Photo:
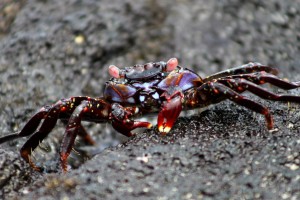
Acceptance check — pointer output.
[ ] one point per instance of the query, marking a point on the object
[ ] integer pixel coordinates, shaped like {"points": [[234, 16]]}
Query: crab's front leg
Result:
{"points": [[98, 110]]}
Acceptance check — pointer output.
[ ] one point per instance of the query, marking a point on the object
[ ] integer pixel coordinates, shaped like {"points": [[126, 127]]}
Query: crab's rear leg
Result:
{"points": [[30, 126], [46, 127], [49, 114], [262, 78], [244, 69], [214, 92], [241, 85]]}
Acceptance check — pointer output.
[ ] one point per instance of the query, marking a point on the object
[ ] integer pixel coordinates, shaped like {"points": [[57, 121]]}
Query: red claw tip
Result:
{"points": [[169, 114], [114, 71], [164, 129], [172, 64]]}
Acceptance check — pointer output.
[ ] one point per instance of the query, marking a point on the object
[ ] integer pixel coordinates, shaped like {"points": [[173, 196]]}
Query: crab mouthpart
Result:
{"points": [[169, 114]]}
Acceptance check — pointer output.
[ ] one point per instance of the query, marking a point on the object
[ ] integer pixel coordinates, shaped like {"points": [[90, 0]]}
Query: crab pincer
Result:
{"points": [[171, 109]]}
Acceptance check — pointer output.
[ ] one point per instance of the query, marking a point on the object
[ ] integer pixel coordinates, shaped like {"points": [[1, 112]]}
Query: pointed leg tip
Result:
{"points": [[160, 129], [65, 168], [149, 125]]}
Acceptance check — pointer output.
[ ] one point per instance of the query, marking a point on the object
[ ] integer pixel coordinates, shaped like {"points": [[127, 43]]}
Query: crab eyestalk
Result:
{"points": [[171, 64], [143, 71], [115, 72]]}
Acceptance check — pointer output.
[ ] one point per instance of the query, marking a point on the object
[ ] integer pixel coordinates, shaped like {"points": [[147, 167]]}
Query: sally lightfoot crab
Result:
{"points": [[161, 87]]}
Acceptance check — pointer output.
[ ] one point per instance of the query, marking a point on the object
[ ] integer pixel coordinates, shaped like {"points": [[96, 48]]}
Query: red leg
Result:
{"points": [[244, 69], [219, 92], [170, 110], [30, 126], [120, 119], [49, 114], [71, 132], [97, 110], [262, 78], [46, 127], [241, 85], [83, 134]]}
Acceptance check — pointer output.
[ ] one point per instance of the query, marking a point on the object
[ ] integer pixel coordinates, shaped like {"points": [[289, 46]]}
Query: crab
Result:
{"points": [[159, 87], [121, 101]]}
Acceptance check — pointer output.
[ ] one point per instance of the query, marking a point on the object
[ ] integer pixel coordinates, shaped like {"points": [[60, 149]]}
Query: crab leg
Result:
{"points": [[73, 128], [240, 85], [97, 110], [50, 115], [71, 112], [30, 127], [219, 92], [82, 133], [46, 127], [262, 78], [244, 69]]}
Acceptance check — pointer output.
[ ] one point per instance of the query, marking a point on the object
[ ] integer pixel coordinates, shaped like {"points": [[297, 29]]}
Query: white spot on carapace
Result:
{"points": [[142, 98], [155, 95], [130, 100]]}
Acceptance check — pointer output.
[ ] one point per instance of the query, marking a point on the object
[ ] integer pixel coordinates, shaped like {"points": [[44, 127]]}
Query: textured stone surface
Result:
{"points": [[57, 49]]}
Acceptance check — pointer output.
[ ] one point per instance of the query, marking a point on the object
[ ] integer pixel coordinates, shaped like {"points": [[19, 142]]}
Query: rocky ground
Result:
{"points": [[55, 49]]}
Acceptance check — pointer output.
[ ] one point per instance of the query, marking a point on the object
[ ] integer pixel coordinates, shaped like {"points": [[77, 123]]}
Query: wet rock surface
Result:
{"points": [[56, 49]]}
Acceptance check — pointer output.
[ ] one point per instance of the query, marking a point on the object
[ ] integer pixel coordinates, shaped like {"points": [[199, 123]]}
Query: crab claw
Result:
{"points": [[125, 128], [121, 119], [170, 110]]}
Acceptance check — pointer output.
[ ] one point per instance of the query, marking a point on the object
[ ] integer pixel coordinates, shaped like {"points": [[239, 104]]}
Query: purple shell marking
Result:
{"points": [[184, 79], [120, 93]]}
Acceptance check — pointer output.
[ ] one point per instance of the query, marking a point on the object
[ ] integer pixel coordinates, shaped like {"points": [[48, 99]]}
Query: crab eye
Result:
{"points": [[114, 71], [172, 64], [148, 66]]}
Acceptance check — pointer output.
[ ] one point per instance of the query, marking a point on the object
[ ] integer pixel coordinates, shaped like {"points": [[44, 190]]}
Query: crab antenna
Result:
{"points": [[114, 71], [171, 64]]}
